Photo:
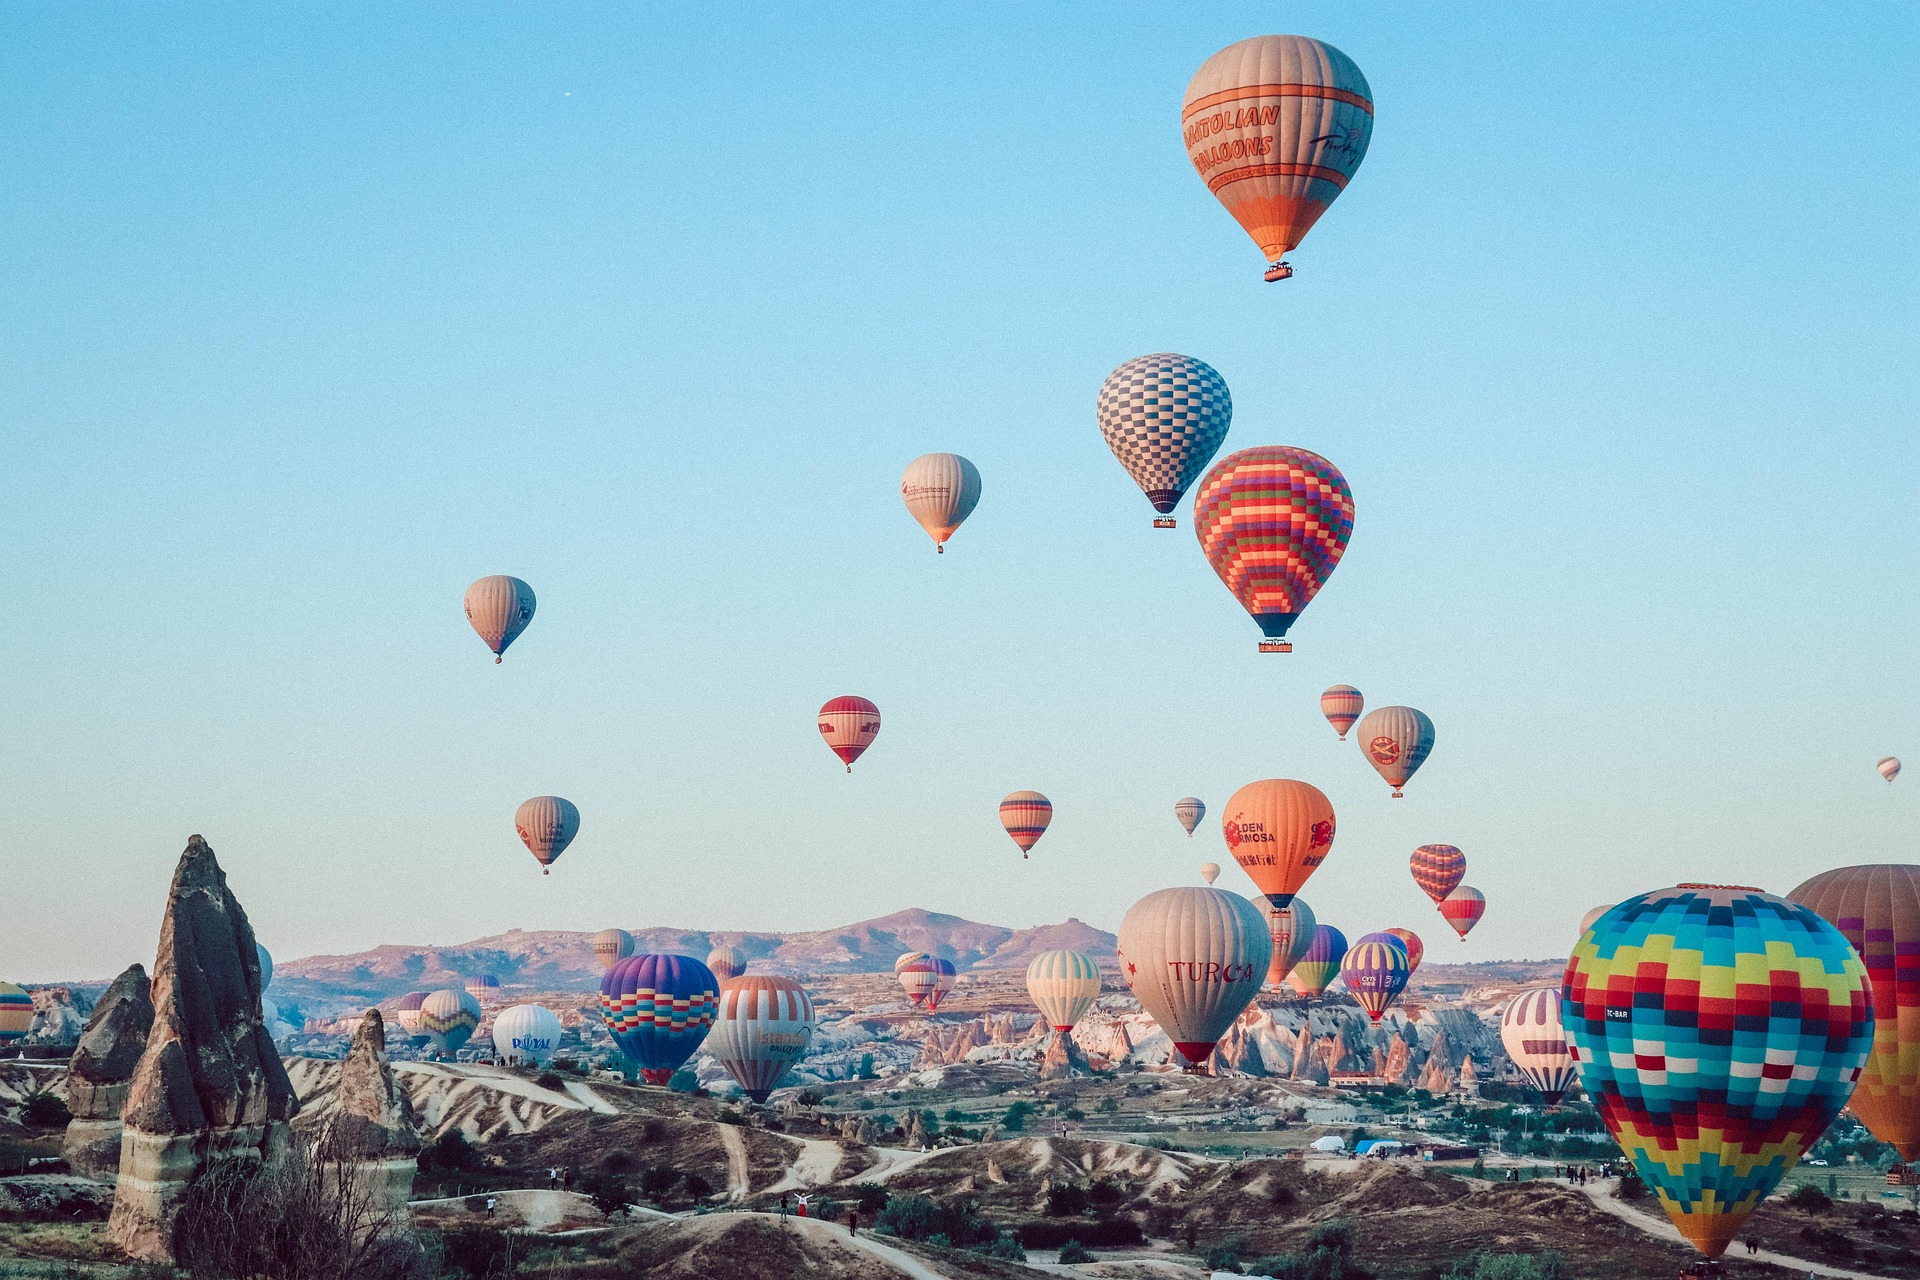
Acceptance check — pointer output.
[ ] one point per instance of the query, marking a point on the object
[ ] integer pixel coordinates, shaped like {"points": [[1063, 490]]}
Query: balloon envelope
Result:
{"points": [[266, 966], [849, 726], [16, 1013], [1279, 831], [1209, 871], [1396, 741], [1438, 869], [1531, 1030], [1273, 522], [1064, 985], [908, 958], [1586, 921], [927, 980], [1164, 416], [1375, 972], [940, 490], [727, 962], [1291, 929], [1025, 815], [1189, 810], [1463, 908], [764, 1026], [547, 825], [448, 1019], [526, 1035], [407, 1014], [658, 1008], [1416, 949], [1888, 768], [1718, 1030], [1341, 705], [610, 946], [483, 987], [499, 609], [1195, 958], [1321, 963]]}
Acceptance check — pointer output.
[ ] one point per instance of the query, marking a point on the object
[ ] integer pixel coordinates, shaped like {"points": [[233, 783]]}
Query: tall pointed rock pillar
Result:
{"points": [[373, 1132], [102, 1071], [210, 1084]]}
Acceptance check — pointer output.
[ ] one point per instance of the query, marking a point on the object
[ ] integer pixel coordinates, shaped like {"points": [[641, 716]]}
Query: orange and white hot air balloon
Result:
{"points": [[1292, 929], [849, 725], [1195, 958], [547, 825], [1025, 815], [1276, 127], [940, 490], [764, 1025], [1342, 705], [1279, 831]]}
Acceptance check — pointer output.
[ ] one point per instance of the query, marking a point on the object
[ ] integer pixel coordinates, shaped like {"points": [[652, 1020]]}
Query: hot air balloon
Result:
{"points": [[1889, 767], [1189, 810], [610, 946], [1273, 522], [1276, 126], [1463, 909], [526, 1035], [16, 1013], [940, 490], [764, 1026], [407, 1014], [927, 980], [1395, 741], [1025, 815], [483, 987], [1536, 1041], [659, 1008], [1375, 972], [1291, 929], [1209, 871], [1194, 958], [1321, 963], [727, 962], [499, 608], [547, 825], [1877, 909], [1718, 1030], [1341, 705], [1064, 985], [1164, 417], [1438, 869], [1586, 921], [448, 1019], [1279, 831], [849, 725], [266, 966], [1416, 949], [908, 958]]}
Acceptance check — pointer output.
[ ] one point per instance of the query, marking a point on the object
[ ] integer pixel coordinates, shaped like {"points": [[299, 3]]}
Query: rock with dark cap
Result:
{"points": [[101, 1071], [210, 1084]]}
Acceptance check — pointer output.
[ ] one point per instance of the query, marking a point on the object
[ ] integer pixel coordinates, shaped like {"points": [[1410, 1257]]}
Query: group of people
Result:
{"points": [[797, 1201]]}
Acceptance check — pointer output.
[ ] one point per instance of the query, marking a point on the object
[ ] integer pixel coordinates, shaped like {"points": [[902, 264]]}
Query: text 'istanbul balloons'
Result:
{"points": [[1291, 929], [1396, 741], [1273, 522], [1463, 908], [547, 825], [499, 609], [1064, 985], [1877, 909], [1416, 949], [658, 1008], [1025, 815], [926, 980], [1164, 416], [407, 1014], [1321, 963], [849, 726], [1718, 1030], [1375, 972], [940, 490], [1889, 767], [1341, 705], [1189, 810], [610, 946], [1279, 831], [1531, 1030], [1438, 869], [1195, 958], [1209, 871], [526, 1035], [448, 1019], [764, 1026], [727, 962], [1276, 126], [16, 1013]]}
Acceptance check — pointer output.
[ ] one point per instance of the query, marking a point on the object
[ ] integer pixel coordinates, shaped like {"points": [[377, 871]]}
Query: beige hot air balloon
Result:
{"points": [[1209, 871], [1195, 958], [940, 490], [499, 608], [1586, 921], [1064, 985], [610, 947], [547, 825]]}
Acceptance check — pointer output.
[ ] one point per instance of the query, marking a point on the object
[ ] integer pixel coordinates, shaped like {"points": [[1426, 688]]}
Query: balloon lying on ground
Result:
{"points": [[1341, 705], [1194, 957], [1188, 810], [1279, 831], [727, 962], [1535, 1039], [407, 1014], [1375, 972], [547, 825], [610, 946], [927, 980], [764, 1026], [940, 490], [658, 1009], [1416, 949], [448, 1019], [526, 1035], [1321, 963], [1025, 815], [499, 609], [1291, 929], [1888, 768], [1463, 908], [1273, 522], [1719, 1030], [1438, 869], [849, 725], [1064, 985], [1164, 416], [1396, 741]]}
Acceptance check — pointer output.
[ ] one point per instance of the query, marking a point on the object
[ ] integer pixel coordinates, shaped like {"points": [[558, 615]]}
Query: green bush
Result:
{"points": [[916, 1217], [1016, 1117], [1003, 1246], [450, 1153], [1065, 1200], [1512, 1266], [1631, 1188], [1073, 1251], [1107, 1232], [45, 1111], [549, 1080], [1225, 1255], [1328, 1256], [1810, 1198], [870, 1196]]}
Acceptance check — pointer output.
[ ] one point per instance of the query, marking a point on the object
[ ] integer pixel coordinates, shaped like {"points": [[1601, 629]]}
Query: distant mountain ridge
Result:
{"points": [[557, 960]]}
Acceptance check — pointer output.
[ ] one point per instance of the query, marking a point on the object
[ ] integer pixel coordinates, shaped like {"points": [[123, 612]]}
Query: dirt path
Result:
{"points": [[886, 1253], [813, 1167], [1657, 1225], [738, 1182], [893, 1160]]}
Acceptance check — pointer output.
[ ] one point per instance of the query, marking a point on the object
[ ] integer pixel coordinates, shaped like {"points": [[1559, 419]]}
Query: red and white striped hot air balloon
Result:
{"points": [[1535, 1039], [1025, 815], [1342, 705], [927, 979], [1463, 909], [849, 725], [764, 1026]]}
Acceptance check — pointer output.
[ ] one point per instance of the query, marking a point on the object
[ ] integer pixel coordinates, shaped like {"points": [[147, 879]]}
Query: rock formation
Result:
{"points": [[1063, 1059], [916, 1131], [59, 1016], [1438, 1077], [856, 1131], [373, 1132], [1399, 1064], [210, 1084], [102, 1068], [1469, 1079]]}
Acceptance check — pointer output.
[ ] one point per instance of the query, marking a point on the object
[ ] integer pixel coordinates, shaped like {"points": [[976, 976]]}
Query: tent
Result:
{"points": [[1332, 1142]]}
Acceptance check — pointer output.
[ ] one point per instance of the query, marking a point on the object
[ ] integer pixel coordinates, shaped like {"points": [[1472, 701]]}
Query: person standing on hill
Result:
{"points": [[853, 1221], [783, 1207], [800, 1205]]}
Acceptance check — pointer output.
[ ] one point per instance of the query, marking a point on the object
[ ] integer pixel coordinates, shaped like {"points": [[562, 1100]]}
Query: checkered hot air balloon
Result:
{"points": [[1279, 831], [499, 609], [1396, 741], [1719, 1030], [1291, 929], [1341, 705], [1463, 908], [1064, 985], [1438, 869], [658, 1009], [1375, 972], [1188, 811], [849, 725], [1164, 416], [1321, 963], [1025, 815], [1273, 522], [547, 825], [764, 1026], [1536, 1040]]}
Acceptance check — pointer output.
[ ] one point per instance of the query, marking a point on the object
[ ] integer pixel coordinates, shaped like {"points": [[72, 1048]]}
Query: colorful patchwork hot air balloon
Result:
{"points": [[407, 1014], [1164, 417], [764, 1026], [448, 1019], [499, 609], [1209, 871], [940, 490], [526, 1035], [1279, 831], [1396, 741], [1189, 810], [727, 962], [1341, 705], [926, 980], [1888, 768], [1463, 908], [1877, 909], [849, 726], [1438, 869], [658, 1008], [610, 946], [1416, 949], [1375, 972], [1025, 815], [1273, 522], [547, 825], [1276, 126], [16, 1013], [1531, 1030], [1291, 929], [1718, 1030], [1195, 958], [1321, 963], [1064, 985]]}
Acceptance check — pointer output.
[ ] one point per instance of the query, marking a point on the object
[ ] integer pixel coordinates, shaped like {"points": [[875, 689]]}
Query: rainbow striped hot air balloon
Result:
{"points": [[849, 725], [1375, 971], [1416, 949], [1321, 963], [499, 609], [659, 1008], [1188, 810], [764, 1026], [1463, 908], [1273, 522], [547, 825], [1719, 1030], [448, 1019], [1064, 985], [927, 980], [727, 962], [1164, 416], [1536, 1040], [1292, 929], [1396, 741], [1341, 705], [16, 1013], [610, 946], [1025, 815], [1438, 869]]}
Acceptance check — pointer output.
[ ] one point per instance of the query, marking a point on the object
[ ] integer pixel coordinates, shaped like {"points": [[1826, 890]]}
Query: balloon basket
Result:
{"points": [[1166, 522], [1702, 1270], [1276, 646], [1278, 271]]}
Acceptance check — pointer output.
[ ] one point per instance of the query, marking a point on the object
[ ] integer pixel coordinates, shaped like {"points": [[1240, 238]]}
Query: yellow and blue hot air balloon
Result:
{"points": [[1064, 985], [1321, 964], [16, 1013], [1375, 971]]}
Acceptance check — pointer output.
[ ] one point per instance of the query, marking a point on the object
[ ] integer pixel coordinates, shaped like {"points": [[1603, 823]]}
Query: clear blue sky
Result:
{"points": [[315, 314]]}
